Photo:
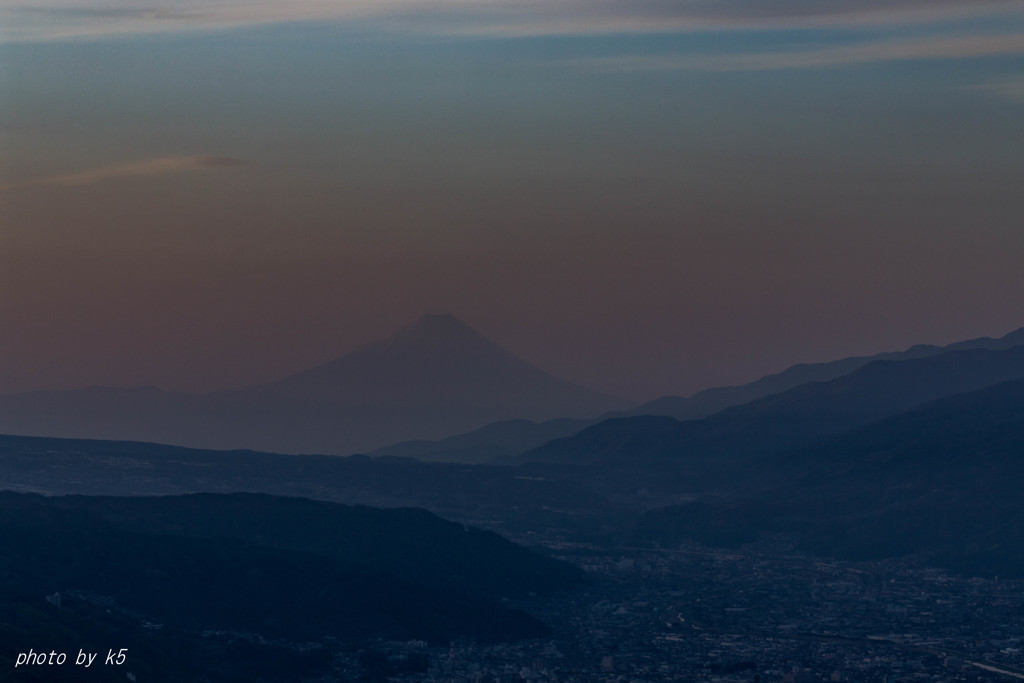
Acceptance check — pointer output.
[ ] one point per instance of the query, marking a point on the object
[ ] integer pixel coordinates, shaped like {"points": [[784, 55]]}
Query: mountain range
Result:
{"points": [[506, 440], [791, 418], [915, 454], [710, 401]]}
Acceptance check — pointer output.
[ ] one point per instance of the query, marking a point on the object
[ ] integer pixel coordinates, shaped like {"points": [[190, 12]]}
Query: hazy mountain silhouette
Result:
{"points": [[710, 401], [799, 415], [504, 440], [439, 361], [431, 379]]}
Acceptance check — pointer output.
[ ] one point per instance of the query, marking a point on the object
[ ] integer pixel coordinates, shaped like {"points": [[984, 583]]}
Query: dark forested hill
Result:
{"points": [[280, 568], [409, 543], [943, 480]]}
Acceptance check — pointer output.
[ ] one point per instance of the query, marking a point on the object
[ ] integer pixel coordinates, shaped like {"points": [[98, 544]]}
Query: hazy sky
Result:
{"points": [[646, 197]]}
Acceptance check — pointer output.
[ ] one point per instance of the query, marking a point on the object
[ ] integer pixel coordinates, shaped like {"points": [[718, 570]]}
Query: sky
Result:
{"points": [[648, 198]]}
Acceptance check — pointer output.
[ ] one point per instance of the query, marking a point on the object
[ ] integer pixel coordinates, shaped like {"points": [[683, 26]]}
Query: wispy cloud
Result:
{"points": [[956, 47], [572, 17], [146, 167], [1011, 88], [35, 20]]}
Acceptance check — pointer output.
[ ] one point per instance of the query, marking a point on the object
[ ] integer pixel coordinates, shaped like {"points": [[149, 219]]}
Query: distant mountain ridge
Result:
{"points": [[710, 401], [503, 441], [791, 418], [430, 379]]}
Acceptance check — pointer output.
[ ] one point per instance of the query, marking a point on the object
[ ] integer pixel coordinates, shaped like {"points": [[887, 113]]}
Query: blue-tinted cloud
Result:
{"points": [[929, 48], [42, 20], [1010, 88]]}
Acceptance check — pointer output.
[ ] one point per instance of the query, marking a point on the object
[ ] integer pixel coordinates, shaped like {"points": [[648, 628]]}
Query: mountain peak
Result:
{"points": [[441, 330], [441, 363], [1008, 341], [439, 320], [437, 323]]}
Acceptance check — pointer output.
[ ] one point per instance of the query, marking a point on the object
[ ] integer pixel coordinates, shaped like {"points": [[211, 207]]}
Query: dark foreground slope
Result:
{"points": [[265, 569], [409, 543], [163, 654], [943, 481]]}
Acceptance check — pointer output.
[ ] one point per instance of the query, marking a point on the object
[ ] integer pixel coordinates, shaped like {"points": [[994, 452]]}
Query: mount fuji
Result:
{"points": [[431, 379]]}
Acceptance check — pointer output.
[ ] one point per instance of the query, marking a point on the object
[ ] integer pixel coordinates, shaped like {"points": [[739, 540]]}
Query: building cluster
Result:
{"points": [[763, 613]]}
